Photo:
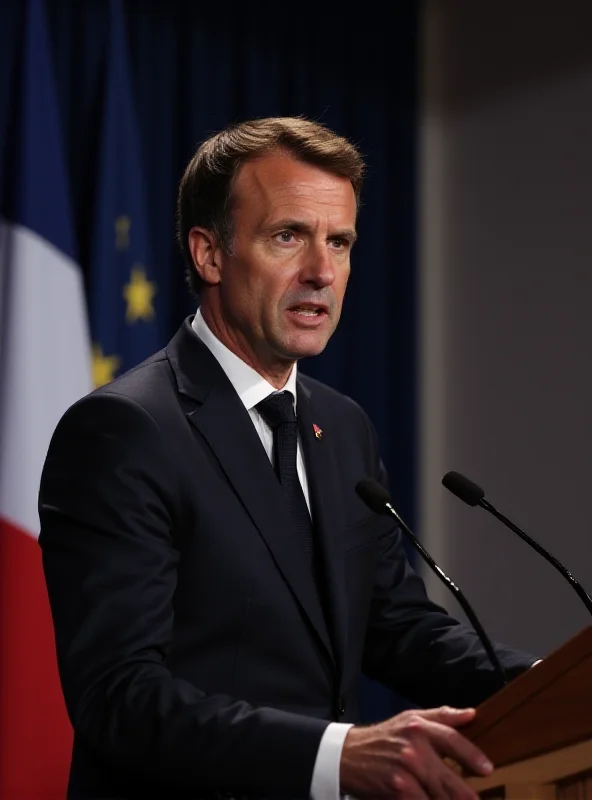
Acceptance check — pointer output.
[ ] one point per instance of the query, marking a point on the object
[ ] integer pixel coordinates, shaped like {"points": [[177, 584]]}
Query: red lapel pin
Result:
{"points": [[317, 431]]}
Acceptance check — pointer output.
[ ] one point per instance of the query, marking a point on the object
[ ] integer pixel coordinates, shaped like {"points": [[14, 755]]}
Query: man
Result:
{"points": [[217, 586]]}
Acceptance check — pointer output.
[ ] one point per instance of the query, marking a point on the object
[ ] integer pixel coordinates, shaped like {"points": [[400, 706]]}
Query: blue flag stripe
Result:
{"points": [[40, 156]]}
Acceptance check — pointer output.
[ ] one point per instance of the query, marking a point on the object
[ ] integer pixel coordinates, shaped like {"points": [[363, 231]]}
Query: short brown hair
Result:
{"points": [[205, 191]]}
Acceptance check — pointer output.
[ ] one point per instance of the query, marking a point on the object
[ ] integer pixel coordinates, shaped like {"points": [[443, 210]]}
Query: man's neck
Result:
{"points": [[277, 375]]}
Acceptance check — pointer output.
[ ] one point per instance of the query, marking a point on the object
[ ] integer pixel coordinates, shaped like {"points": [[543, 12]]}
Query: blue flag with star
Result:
{"points": [[124, 290]]}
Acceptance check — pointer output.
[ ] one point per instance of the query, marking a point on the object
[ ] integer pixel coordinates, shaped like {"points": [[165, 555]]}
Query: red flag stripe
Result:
{"points": [[37, 735]]}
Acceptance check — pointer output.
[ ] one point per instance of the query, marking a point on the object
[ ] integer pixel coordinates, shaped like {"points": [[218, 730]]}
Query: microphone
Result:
{"points": [[378, 499], [473, 495]]}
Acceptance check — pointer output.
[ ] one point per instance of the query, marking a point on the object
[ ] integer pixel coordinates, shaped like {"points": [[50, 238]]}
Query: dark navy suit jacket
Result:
{"points": [[196, 657]]}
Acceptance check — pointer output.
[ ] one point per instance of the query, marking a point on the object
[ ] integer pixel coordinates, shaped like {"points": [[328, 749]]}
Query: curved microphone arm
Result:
{"points": [[584, 596], [457, 593]]}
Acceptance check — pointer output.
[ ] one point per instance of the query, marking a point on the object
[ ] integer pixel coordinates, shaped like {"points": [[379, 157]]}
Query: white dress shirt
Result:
{"points": [[252, 389]]}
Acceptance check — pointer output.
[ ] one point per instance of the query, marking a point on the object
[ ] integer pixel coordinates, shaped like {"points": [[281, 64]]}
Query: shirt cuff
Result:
{"points": [[325, 776]]}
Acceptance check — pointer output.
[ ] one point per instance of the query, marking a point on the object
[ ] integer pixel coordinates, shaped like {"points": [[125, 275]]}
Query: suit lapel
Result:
{"points": [[225, 424], [321, 470]]}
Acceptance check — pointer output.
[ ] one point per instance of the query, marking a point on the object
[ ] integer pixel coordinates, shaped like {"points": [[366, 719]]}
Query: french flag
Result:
{"points": [[44, 368]]}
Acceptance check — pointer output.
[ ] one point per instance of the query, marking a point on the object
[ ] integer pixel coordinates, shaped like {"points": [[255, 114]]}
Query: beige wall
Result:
{"points": [[506, 305]]}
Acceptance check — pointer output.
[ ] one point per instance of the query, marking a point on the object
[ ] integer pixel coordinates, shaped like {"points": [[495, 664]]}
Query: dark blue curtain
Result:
{"points": [[195, 68]]}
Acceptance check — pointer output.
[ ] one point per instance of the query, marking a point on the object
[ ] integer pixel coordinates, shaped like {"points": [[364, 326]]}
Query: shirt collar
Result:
{"points": [[249, 385]]}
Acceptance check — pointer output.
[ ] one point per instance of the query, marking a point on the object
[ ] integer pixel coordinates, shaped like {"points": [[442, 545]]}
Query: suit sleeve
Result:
{"points": [[413, 645], [108, 506]]}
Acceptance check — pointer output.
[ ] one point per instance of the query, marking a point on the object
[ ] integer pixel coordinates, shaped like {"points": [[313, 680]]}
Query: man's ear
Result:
{"points": [[205, 252]]}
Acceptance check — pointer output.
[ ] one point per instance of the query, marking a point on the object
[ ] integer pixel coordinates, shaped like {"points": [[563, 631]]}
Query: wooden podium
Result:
{"points": [[538, 730]]}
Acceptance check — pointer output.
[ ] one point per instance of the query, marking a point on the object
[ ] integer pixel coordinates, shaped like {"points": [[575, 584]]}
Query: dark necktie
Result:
{"points": [[278, 411]]}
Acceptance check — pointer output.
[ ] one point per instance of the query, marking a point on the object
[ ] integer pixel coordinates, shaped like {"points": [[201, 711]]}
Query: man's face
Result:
{"points": [[281, 289]]}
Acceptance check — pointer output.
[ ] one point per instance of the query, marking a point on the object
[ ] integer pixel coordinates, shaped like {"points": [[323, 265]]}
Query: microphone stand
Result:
{"points": [[584, 596], [456, 592]]}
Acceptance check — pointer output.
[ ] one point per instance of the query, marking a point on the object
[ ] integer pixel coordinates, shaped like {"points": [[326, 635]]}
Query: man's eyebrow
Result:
{"points": [[297, 225], [346, 233]]}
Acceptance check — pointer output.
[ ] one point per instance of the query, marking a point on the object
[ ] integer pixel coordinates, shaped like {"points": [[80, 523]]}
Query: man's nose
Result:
{"points": [[318, 267]]}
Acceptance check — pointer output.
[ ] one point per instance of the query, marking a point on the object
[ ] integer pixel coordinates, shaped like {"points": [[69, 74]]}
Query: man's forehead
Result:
{"points": [[281, 177]]}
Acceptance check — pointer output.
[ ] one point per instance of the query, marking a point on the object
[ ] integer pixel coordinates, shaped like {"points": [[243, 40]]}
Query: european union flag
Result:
{"points": [[124, 293]]}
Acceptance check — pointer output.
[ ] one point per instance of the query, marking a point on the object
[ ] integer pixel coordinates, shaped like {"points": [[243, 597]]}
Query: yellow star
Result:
{"points": [[139, 295], [103, 367], [122, 231]]}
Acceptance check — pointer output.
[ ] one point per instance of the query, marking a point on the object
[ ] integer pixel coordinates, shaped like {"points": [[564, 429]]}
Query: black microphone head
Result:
{"points": [[373, 494], [463, 488]]}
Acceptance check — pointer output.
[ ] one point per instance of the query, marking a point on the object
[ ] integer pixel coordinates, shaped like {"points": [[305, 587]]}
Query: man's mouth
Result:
{"points": [[309, 311]]}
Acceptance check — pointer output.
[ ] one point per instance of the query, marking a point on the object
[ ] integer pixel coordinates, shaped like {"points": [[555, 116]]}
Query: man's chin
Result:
{"points": [[309, 349], [306, 344]]}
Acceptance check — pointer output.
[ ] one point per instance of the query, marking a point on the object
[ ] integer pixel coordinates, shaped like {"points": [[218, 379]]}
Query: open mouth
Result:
{"points": [[309, 311]]}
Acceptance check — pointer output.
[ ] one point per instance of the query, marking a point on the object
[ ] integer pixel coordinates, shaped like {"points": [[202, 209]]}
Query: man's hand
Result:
{"points": [[402, 757]]}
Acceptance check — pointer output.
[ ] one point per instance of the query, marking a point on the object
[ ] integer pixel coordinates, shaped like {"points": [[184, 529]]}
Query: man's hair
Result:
{"points": [[205, 191]]}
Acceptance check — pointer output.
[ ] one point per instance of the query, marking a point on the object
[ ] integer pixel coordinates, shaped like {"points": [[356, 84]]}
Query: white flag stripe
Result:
{"points": [[3, 275], [46, 362]]}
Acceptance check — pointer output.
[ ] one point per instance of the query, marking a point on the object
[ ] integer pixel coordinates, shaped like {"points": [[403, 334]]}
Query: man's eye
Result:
{"points": [[285, 236], [340, 243]]}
